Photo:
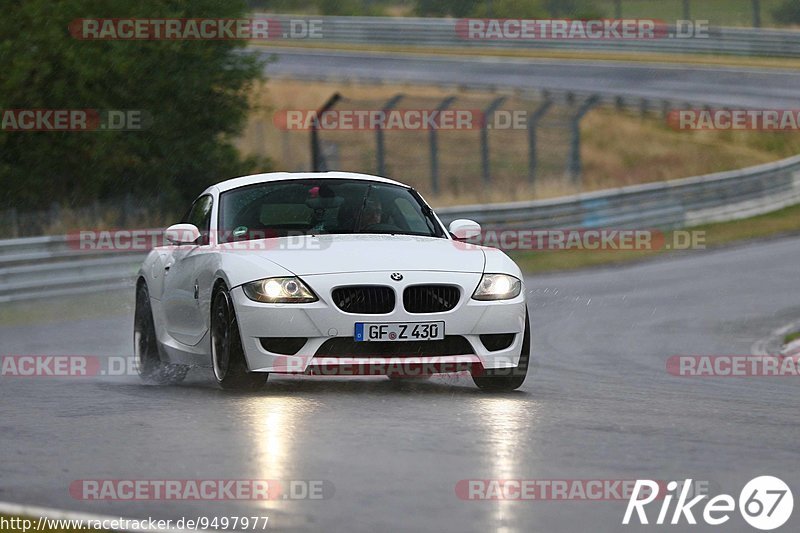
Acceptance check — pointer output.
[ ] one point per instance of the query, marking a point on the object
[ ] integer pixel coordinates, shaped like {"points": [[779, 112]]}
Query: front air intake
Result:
{"points": [[430, 298], [364, 299]]}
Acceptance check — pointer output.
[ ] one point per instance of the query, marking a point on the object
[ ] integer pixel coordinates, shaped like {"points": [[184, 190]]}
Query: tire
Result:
{"points": [[508, 379], [145, 345], [227, 355]]}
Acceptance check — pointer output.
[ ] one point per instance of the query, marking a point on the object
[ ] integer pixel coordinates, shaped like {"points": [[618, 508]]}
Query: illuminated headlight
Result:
{"points": [[497, 287], [279, 291]]}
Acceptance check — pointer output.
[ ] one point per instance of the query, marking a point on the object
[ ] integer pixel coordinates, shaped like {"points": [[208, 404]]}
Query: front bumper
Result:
{"points": [[322, 320]]}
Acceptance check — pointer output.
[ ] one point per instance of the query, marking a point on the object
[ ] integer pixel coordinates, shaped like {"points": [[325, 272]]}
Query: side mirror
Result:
{"points": [[182, 234], [463, 229]]}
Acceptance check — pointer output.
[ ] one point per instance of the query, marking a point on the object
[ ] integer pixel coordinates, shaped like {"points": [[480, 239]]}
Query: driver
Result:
{"points": [[373, 212]]}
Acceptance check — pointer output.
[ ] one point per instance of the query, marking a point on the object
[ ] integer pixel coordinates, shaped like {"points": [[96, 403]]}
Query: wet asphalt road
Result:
{"points": [[695, 84], [599, 405]]}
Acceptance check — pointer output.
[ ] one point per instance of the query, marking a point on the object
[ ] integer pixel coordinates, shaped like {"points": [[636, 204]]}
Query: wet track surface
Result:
{"points": [[740, 86], [599, 404]]}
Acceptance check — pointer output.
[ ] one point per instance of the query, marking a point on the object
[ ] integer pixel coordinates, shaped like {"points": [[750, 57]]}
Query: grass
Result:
{"points": [[791, 337], [718, 12], [618, 147], [84, 306], [783, 222]]}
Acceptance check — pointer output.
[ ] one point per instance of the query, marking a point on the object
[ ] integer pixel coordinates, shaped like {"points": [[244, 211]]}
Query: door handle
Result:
{"points": [[196, 290]]}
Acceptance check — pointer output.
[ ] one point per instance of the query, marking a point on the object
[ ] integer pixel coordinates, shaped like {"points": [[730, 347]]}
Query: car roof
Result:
{"points": [[235, 183]]}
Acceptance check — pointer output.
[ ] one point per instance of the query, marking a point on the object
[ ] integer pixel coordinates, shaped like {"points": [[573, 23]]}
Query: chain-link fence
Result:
{"points": [[506, 145]]}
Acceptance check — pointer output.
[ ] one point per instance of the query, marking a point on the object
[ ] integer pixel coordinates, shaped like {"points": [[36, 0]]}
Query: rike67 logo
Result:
{"points": [[765, 503]]}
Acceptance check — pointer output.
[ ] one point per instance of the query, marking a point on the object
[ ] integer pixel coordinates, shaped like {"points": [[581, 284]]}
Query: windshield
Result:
{"points": [[323, 206]]}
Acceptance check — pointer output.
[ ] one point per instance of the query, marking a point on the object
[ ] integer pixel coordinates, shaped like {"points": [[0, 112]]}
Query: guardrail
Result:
{"points": [[446, 32], [684, 202], [44, 267], [40, 267]]}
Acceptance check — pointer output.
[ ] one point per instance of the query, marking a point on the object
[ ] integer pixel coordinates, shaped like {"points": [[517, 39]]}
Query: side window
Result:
{"points": [[200, 216]]}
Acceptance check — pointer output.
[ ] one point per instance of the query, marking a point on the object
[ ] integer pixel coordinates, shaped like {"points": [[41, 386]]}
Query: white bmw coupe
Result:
{"points": [[327, 273]]}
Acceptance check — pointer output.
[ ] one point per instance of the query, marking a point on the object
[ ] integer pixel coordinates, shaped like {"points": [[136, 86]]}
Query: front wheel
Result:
{"points": [[227, 353], [508, 379], [145, 345]]}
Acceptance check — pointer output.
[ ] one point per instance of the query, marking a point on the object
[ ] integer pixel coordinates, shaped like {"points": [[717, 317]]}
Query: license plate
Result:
{"points": [[399, 331]]}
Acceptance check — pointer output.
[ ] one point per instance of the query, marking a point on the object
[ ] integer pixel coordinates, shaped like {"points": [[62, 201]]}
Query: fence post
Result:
{"points": [[618, 9], [55, 214], [686, 10], [317, 159], [380, 151], [127, 210], [14, 222], [666, 107], [644, 107], [756, 13], [533, 125], [432, 135], [487, 114], [574, 163]]}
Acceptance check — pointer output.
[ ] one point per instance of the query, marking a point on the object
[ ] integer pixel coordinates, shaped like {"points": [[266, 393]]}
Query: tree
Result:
{"points": [[196, 93]]}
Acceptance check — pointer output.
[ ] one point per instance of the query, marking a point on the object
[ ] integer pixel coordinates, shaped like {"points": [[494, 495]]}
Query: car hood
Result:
{"points": [[326, 254]]}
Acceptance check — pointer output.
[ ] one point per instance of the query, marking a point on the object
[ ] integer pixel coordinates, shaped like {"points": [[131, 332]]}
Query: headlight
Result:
{"points": [[279, 291], [497, 287]]}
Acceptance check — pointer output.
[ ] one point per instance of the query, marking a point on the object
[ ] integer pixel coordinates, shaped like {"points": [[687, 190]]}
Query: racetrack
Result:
{"points": [[721, 86], [598, 405]]}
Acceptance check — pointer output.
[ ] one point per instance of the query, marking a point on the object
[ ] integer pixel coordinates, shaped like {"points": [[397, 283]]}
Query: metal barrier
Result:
{"points": [[40, 267], [448, 33], [44, 267], [685, 202]]}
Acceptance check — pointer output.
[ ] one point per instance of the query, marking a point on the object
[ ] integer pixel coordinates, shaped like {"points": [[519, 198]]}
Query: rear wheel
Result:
{"points": [[145, 345], [508, 379], [227, 353]]}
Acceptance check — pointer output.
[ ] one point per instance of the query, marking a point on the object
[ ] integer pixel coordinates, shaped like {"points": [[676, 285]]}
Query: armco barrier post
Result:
{"points": [[574, 164], [380, 149], [432, 135], [487, 115]]}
